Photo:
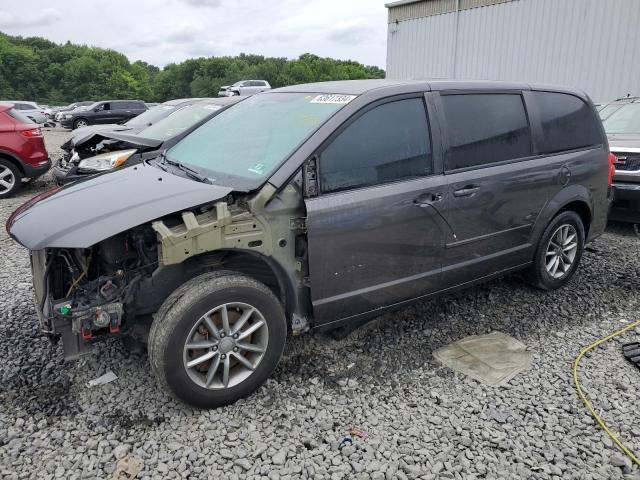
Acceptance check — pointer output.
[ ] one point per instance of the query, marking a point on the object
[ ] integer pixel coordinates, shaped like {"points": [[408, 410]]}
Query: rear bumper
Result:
{"points": [[35, 171], [626, 203]]}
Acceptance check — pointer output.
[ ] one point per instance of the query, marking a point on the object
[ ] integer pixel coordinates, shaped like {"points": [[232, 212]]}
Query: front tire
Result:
{"points": [[217, 339], [559, 252], [10, 178], [79, 123]]}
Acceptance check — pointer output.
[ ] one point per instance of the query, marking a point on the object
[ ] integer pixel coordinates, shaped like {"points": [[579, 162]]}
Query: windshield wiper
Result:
{"points": [[189, 171]]}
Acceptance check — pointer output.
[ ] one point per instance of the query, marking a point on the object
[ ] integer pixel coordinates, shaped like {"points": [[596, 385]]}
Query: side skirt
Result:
{"points": [[363, 317]]}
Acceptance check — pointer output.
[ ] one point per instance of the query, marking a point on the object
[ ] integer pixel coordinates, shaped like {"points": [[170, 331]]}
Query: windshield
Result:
{"points": [[179, 121], [244, 144], [624, 120], [151, 116], [86, 108], [606, 111]]}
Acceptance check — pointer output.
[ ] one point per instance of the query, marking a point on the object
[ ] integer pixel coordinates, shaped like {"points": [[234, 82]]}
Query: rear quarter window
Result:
{"points": [[19, 116], [568, 122]]}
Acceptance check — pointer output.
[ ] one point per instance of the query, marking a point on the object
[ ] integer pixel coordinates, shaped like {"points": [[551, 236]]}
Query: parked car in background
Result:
{"points": [[608, 109], [623, 132], [32, 110], [151, 104], [107, 150], [108, 111], [82, 136], [316, 206], [59, 112], [244, 87], [22, 151]]}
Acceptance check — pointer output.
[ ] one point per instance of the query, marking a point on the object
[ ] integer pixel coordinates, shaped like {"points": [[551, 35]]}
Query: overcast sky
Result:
{"points": [[165, 31]]}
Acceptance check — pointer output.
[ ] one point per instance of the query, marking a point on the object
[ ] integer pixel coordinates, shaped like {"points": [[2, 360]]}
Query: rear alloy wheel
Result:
{"points": [[10, 178], [559, 252], [79, 123], [216, 339]]}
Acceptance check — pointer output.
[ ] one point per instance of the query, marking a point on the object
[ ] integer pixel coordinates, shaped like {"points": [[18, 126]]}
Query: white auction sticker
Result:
{"points": [[332, 98]]}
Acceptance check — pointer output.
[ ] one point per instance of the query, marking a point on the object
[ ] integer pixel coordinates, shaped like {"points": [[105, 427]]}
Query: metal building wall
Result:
{"points": [[590, 44]]}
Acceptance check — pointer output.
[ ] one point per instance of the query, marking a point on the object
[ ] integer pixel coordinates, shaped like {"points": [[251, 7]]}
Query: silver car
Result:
{"points": [[31, 109], [244, 87]]}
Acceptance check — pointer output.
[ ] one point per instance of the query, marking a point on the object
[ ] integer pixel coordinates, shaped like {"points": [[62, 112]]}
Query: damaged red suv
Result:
{"points": [[22, 150]]}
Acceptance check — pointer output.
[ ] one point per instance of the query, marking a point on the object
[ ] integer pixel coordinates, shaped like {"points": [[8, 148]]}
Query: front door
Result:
{"points": [[496, 188], [375, 237], [103, 114]]}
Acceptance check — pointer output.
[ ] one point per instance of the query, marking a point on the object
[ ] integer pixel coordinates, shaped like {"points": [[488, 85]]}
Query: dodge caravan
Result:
{"points": [[315, 207]]}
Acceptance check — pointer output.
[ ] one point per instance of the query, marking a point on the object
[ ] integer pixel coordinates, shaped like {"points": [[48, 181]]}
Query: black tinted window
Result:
{"points": [[485, 128], [388, 143], [567, 122], [122, 105]]}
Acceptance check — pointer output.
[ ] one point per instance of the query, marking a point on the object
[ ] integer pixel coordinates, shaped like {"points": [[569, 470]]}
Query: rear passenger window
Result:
{"points": [[485, 128], [567, 122], [388, 143]]}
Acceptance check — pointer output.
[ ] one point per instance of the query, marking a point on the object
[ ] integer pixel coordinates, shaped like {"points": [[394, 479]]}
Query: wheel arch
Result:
{"points": [[252, 264], [584, 212], [574, 198], [5, 155]]}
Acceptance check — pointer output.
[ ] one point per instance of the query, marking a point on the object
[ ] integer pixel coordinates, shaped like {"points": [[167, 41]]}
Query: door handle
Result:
{"points": [[426, 199], [466, 191]]}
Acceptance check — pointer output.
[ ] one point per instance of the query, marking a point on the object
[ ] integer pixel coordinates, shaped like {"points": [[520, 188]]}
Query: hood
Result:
{"points": [[133, 140], [84, 213], [623, 140], [86, 134]]}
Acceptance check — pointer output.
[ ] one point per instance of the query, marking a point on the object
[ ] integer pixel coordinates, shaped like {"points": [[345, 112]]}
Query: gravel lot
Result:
{"points": [[423, 421]]}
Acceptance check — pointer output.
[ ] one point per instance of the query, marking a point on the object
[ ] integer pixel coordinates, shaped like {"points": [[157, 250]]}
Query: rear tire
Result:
{"points": [[558, 253], [207, 361], [10, 178]]}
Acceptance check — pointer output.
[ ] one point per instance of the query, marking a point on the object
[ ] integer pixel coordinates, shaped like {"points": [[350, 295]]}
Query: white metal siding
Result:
{"points": [[590, 44]]}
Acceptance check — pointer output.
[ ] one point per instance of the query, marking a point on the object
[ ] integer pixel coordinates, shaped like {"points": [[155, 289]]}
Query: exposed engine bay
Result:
{"points": [[91, 147], [89, 290], [112, 287]]}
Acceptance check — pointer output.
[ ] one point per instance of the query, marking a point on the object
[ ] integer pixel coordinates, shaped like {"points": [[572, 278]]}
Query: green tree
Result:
{"points": [[37, 69]]}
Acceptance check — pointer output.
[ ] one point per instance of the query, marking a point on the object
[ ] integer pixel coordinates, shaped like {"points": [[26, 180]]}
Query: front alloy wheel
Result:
{"points": [[226, 345], [216, 339]]}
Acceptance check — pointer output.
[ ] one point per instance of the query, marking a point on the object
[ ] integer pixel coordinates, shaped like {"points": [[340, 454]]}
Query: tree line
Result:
{"points": [[37, 69]]}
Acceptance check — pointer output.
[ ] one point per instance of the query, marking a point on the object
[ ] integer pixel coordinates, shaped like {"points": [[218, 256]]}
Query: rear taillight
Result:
{"points": [[33, 132], [612, 167]]}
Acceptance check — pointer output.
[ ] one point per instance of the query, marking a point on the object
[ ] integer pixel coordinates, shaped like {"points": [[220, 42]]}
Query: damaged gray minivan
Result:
{"points": [[315, 206]]}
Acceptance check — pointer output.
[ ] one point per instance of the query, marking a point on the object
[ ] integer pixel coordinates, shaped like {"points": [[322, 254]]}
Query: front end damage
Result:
{"points": [[82, 294], [112, 288]]}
